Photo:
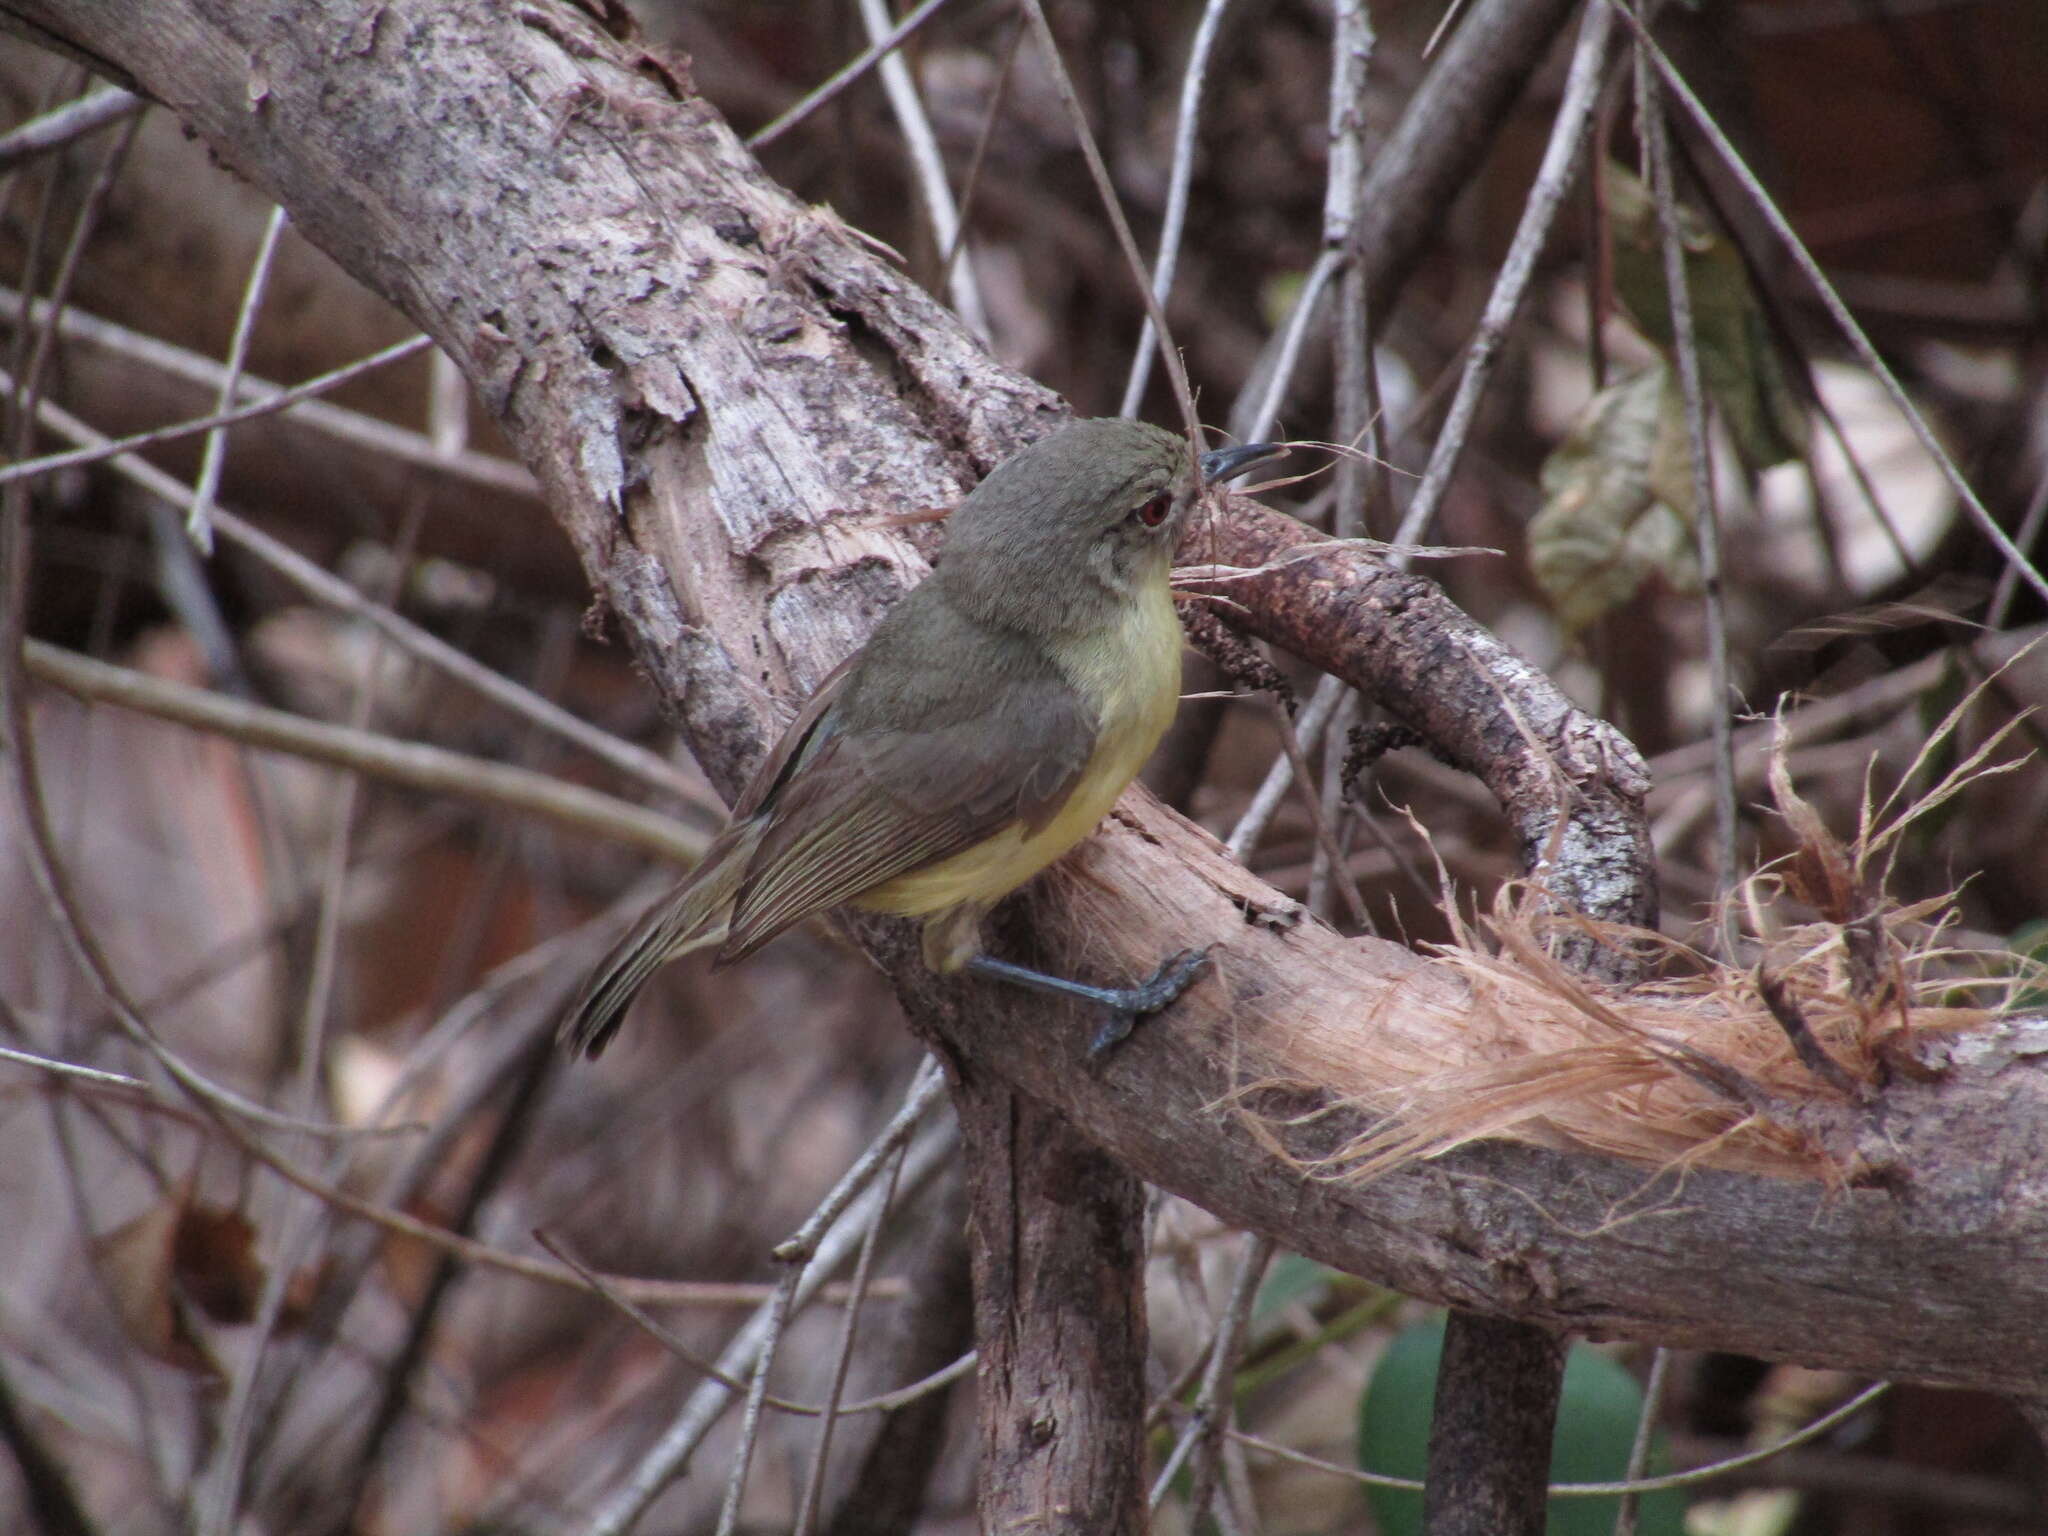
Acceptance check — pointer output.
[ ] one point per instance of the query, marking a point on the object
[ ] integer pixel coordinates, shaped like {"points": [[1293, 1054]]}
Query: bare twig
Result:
{"points": [[332, 592], [1213, 1404], [1639, 1448], [1831, 300], [1706, 520], [928, 168], [876, 51], [198, 519], [415, 764], [107, 448], [825, 1241], [1112, 208], [383, 439], [1553, 180], [73, 120], [1308, 730], [1688, 1479], [814, 1483], [1171, 228]]}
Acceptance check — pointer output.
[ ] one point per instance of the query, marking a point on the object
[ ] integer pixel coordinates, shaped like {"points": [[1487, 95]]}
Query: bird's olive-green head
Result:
{"points": [[1070, 523]]}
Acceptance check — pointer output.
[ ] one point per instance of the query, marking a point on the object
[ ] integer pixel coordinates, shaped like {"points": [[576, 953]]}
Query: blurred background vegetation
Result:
{"points": [[177, 1326]]}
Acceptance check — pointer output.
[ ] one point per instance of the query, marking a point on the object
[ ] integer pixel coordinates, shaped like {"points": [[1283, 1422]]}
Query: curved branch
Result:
{"points": [[716, 384]]}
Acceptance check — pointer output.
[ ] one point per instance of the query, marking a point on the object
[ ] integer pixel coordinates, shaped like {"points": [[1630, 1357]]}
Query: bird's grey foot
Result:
{"points": [[1124, 1005]]}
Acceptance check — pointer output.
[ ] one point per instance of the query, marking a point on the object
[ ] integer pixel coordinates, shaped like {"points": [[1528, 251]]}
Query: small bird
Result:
{"points": [[986, 727]]}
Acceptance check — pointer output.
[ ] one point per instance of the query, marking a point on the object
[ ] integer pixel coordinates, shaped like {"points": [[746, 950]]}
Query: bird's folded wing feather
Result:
{"points": [[868, 805]]}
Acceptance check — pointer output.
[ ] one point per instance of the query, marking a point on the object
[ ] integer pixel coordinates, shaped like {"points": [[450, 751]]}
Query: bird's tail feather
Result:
{"points": [[693, 916]]}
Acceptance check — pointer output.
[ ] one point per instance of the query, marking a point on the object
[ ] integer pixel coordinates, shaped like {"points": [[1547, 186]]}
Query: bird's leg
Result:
{"points": [[1125, 1005]]}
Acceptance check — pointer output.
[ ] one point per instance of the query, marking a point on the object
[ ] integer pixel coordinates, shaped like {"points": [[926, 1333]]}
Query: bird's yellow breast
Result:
{"points": [[1132, 675]]}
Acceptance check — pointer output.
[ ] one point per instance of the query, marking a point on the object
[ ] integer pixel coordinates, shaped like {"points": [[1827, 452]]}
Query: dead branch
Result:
{"points": [[708, 376]]}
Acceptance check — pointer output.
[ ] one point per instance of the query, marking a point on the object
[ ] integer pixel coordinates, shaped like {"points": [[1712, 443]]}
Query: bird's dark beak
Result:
{"points": [[1221, 464]]}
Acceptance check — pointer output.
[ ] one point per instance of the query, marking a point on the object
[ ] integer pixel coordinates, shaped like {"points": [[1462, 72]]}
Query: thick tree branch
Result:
{"points": [[716, 385]]}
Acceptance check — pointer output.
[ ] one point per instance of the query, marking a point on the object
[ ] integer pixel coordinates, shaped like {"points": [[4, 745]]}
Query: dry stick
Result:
{"points": [[28, 394], [1213, 1403], [667, 1339], [332, 592], [814, 1484], [52, 884], [1179, 177], [1706, 520], [1553, 180], [58, 1068], [1639, 1451], [1831, 300], [1176, 369], [1497, 1389], [1315, 715], [73, 120], [928, 169], [1691, 1478], [165, 1484], [1351, 48], [878, 50], [812, 1253], [198, 519], [1308, 730], [104, 447], [1258, 424], [983, 137], [384, 438], [435, 770], [220, 1486], [1322, 827], [2030, 534]]}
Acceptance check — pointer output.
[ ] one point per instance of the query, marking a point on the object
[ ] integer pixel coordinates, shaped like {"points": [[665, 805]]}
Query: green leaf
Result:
{"points": [[1617, 502], [1292, 1278], [1596, 1425], [1739, 366]]}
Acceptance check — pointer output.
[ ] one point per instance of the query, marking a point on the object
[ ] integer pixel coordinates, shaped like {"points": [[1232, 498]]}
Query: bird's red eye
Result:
{"points": [[1154, 512]]}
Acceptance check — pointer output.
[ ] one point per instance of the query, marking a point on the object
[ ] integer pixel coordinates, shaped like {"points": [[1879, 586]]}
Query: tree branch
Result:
{"points": [[710, 378]]}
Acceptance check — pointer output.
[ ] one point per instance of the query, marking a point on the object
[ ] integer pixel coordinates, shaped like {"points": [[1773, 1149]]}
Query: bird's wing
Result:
{"points": [[859, 807]]}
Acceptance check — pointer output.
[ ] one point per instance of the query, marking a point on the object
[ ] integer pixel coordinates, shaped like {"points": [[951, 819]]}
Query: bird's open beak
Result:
{"points": [[1221, 464]]}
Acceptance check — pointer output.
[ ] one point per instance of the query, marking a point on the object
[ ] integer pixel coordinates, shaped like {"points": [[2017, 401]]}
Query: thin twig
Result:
{"points": [[1308, 730], [928, 168], [1213, 1403], [1112, 207], [1259, 424], [2030, 534], [970, 184], [1690, 1478], [332, 592], [814, 1484], [220, 1492], [107, 448], [660, 1465], [1706, 520], [1179, 178], [846, 75], [1639, 1450], [886, 1402], [73, 120], [1553, 180], [417, 765], [1831, 300], [384, 439], [198, 518]]}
